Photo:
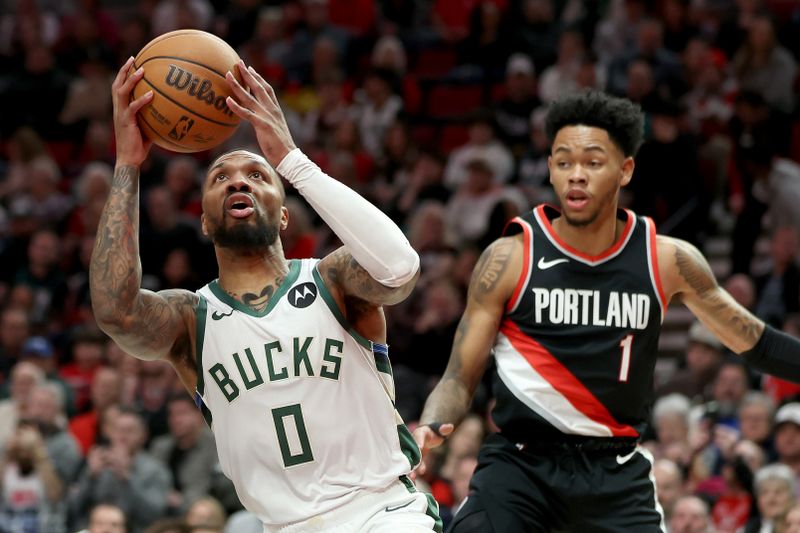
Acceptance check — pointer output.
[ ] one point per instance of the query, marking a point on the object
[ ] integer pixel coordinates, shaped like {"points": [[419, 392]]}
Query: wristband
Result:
{"points": [[436, 427]]}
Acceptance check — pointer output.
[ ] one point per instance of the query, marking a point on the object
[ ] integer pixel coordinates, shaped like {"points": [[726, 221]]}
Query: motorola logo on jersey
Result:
{"points": [[581, 307], [303, 295]]}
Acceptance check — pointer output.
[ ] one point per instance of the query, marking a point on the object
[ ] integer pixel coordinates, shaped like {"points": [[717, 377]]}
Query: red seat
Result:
{"points": [[453, 101], [452, 136], [435, 62], [62, 152], [423, 134]]}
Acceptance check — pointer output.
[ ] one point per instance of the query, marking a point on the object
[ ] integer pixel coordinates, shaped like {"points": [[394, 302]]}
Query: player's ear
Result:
{"points": [[203, 224], [284, 218], [627, 171]]}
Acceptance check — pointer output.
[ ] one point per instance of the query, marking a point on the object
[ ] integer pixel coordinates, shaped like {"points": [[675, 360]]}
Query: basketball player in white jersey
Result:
{"points": [[287, 359]]}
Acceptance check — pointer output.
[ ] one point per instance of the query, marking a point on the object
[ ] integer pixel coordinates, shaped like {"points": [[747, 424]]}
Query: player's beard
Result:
{"points": [[246, 236]]}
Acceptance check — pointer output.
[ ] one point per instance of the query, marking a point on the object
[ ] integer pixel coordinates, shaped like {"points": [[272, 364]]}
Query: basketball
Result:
{"points": [[186, 69]]}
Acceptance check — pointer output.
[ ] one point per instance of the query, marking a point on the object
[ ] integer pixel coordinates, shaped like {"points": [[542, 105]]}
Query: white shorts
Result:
{"points": [[390, 510]]}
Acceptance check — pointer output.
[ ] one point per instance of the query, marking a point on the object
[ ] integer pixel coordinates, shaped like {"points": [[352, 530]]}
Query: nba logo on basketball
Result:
{"points": [[181, 128]]}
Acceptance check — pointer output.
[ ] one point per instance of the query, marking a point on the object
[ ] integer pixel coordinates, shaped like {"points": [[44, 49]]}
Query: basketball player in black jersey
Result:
{"points": [[570, 302]]}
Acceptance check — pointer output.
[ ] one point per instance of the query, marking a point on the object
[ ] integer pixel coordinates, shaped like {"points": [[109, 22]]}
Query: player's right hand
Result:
{"points": [[426, 438], [132, 146]]}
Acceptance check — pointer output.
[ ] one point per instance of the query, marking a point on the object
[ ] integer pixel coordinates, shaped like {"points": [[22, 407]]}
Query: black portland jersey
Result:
{"points": [[577, 347]]}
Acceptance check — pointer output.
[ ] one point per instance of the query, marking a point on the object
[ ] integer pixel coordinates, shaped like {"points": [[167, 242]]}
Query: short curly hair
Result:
{"points": [[621, 118]]}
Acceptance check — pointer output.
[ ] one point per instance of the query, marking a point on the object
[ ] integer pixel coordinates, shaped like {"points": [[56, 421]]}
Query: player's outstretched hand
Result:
{"points": [[132, 146], [426, 438], [260, 108]]}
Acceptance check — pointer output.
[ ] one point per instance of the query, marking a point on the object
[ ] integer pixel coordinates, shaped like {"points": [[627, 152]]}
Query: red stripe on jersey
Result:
{"points": [[654, 265], [563, 380], [527, 258], [623, 238]]}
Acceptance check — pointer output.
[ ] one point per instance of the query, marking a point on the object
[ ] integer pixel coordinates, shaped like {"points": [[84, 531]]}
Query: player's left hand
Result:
{"points": [[426, 438], [260, 108]]}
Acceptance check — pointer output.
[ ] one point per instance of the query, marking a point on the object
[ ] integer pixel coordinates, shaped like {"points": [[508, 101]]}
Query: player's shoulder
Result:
{"points": [[679, 260], [181, 300], [499, 268]]}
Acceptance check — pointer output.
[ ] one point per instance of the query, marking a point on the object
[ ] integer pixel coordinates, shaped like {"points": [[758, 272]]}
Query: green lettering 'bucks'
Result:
{"points": [[279, 387]]}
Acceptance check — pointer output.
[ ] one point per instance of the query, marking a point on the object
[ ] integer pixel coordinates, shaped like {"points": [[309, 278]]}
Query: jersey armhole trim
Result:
{"points": [[202, 314], [337, 313], [527, 266], [652, 263]]}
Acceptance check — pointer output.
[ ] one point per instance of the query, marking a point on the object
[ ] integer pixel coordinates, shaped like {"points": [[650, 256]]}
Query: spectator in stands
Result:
{"points": [[761, 64], [479, 209], [314, 129], [535, 29], [755, 420], [182, 178], [14, 330], [317, 26], [672, 190], [690, 514], [482, 143], [106, 518], [703, 359], [378, 109], [734, 504], [87, 357], [779, 289], [46, 412], [24, 378], [775, 495], [791, 523], [189, 451], [157, 383], [513, 112], [91, 190], [43, 276], [123, 474], [164, 229], [669, 485], [424, 181], [40, 352], [169, 15], [486, 44], [743, 290], [782, 180], [105, 391], [671, 423], [560, 78], [787, 436], [41, 204], [206, 513], [128, 368], [24, 146], [31, 488], [730, 386]]}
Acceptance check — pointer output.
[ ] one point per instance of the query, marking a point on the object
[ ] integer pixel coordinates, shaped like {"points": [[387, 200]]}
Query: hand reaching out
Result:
{"points": [[260, 108], [426, 438]]}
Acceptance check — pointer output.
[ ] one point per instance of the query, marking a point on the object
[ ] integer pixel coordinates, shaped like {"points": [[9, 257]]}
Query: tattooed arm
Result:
{"points": [[492, 284], [685, 273], [144, 324]]}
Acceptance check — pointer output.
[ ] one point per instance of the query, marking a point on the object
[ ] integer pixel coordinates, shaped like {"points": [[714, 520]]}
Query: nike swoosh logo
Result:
{"points": [[622, 459], [396, 507], [544, 265], [216, 315]]}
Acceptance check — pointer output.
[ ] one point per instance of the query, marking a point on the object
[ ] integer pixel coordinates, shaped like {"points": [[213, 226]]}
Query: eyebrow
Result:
{"points": [[590, 148]]}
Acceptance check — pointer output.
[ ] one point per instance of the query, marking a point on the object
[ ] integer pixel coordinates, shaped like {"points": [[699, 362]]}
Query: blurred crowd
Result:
{"points": [[434, 110]]}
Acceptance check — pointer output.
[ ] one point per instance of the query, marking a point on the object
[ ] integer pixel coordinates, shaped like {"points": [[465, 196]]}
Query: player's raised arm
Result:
{"points": [[492, 284], [143, 323], [376, 264], [686, 273]]}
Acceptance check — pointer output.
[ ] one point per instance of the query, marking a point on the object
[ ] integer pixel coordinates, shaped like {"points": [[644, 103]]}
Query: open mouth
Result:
{"points": [[239, 205], [577, 199]]}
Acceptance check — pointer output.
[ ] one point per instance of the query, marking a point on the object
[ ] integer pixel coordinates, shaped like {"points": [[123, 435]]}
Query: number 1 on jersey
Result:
{"points": [[627, 345]]}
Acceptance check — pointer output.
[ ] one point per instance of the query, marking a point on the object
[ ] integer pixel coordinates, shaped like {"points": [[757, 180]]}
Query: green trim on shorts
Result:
{"points": [[433, 506]]}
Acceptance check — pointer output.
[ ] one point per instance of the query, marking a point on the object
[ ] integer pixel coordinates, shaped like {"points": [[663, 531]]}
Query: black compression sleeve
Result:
{"points": [[776, 353]]}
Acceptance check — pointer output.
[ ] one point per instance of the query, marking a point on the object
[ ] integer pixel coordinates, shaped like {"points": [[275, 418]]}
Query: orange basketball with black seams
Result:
{"points": [[186, 69]]}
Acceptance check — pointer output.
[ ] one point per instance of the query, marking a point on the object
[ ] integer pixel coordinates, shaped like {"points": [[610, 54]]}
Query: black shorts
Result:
{"points": [[514, 491]]}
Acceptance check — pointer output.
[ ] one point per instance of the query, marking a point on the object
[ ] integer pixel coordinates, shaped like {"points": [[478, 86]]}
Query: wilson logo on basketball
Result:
{"points": [[183, 80]]}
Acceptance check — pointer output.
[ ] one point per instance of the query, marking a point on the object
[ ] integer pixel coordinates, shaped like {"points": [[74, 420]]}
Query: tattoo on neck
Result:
{"points": [[258, 302]]}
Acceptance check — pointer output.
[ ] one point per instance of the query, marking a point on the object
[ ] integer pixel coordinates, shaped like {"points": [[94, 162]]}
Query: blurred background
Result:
{"points": [[434, 110]]}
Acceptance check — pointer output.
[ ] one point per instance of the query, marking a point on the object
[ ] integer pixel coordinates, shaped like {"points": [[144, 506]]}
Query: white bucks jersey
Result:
{"points": [[301, 405]]}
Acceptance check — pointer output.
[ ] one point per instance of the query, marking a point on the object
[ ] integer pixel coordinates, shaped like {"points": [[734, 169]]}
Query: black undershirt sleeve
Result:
{"points": [[776, 353]]}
